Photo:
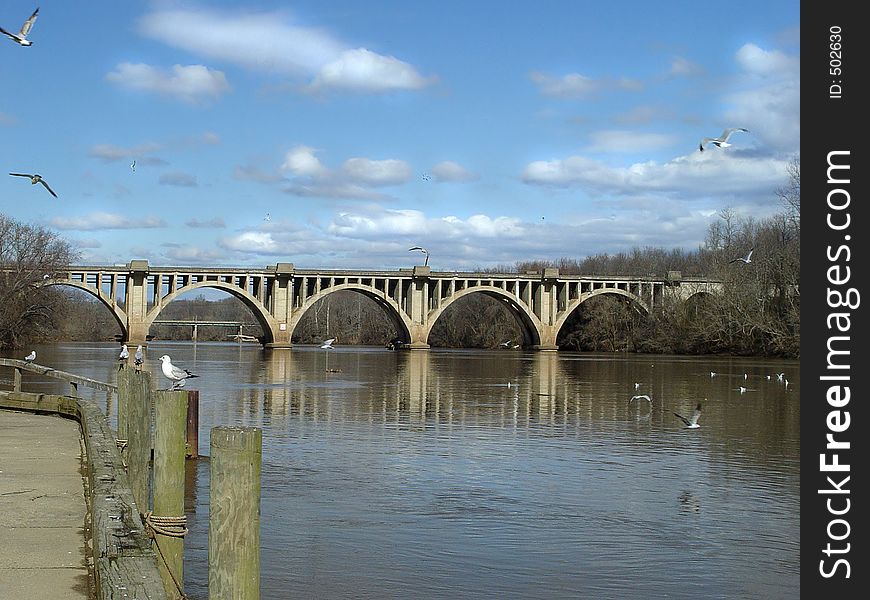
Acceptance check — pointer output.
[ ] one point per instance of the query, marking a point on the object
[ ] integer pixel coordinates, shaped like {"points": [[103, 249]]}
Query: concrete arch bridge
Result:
{"points": [[413, 299]]}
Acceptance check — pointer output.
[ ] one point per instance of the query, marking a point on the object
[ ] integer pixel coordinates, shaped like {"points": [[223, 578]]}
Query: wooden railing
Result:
{"points": [[73, 380]]}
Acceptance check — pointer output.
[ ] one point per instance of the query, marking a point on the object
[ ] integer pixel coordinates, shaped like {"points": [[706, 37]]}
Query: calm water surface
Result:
{"points": [[497, 474]]}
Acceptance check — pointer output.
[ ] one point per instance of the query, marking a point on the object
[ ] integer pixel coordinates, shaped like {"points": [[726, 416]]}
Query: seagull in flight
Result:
{"points": [[327, 344], [744, 259], [123, 356], [691, 423], [30, 357], [423, 250], [173, 373], [133, 166], [21, 37], [34, 179], [506, 344], [722, 140], [138, 358], [640, 397]]}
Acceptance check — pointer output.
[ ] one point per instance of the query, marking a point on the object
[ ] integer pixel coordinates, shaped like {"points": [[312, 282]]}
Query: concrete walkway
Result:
{"points": [[42, 508]]}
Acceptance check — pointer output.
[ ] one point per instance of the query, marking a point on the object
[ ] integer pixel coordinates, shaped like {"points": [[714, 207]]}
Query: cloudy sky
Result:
{"points": [[339, 134]]}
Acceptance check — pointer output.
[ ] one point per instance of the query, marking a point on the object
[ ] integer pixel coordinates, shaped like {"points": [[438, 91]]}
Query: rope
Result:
{"points": [[169, 526]]}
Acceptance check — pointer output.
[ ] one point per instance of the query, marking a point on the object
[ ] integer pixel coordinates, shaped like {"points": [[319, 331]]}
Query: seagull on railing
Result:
{"points": [[21, 37], [30, 357], [123, 356], [138, 358], [691, 423], [173, 373]]}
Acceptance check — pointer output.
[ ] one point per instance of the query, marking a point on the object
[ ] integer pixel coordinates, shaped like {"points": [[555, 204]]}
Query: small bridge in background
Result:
{"points": [[413, 299]]}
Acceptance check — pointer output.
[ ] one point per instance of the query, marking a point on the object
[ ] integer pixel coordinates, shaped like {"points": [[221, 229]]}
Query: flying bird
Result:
{"points": [[722, 140], [173, 373], [34, 179], [30, 357], [423, 250], [327, 344], [506, 344], [641, 397], [21, 37], [744, 259], [691, 423], [138, 358], [133, 166], [123, 356]]}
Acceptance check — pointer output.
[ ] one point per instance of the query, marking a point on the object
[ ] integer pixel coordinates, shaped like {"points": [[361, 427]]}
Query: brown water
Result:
{"points": [[498, 474]]}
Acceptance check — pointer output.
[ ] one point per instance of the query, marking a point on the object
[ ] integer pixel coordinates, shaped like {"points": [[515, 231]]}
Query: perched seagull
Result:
{"points": [[423, 250], [742, 389], [123, 356], [30, 357], [174, 373], [636, 385], [21, 37], [691, 423], [744, 259], [641, 397], [138, 358], [722, 140], [327, 344], [34, 179]]}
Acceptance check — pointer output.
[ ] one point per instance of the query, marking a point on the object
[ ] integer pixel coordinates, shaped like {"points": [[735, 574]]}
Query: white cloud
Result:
{"points": [[273, 42], [258, 242], [193, 84], [103, 220], [178, 179], [377, 172], [112, 153], [766, 62], [451, 171], [365, 71], [572, 85], [300, 161], [683, 67], [192, 255]]}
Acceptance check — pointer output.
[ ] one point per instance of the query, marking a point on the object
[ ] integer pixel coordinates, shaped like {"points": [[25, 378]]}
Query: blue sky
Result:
{"points": [[339, 134]]}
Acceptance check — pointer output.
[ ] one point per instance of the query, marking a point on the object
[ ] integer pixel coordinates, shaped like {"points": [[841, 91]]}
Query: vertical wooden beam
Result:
{"points": [[234, 513], [124, 383], [139, 435], [192, 444], [171, 421], [16, 379]]}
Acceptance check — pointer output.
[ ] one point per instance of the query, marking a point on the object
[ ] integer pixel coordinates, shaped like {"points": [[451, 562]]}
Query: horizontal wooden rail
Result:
{"points": [[71, 378]]}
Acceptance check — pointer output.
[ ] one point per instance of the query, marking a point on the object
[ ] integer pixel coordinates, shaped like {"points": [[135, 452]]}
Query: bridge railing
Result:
{"points": [[73, 380]]}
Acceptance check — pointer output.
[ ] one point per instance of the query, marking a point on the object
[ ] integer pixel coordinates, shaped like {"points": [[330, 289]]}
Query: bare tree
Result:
{"points": [[28, 255]]}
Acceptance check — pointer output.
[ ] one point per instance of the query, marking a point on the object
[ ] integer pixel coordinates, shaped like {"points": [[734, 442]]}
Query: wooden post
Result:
{"points": [[234, 513], [139, 435], [124, 390], [170, 408], [192, 446], [73, 389], [16, 380]]}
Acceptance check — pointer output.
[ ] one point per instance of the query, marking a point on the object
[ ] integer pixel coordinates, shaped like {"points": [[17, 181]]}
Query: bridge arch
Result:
{"points": [[260, 312], [529, 323], [118, 313], [636, 301], [401, 322]]}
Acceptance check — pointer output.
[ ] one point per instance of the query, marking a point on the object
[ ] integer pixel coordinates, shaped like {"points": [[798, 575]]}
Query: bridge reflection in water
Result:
{"points": [[412, 299]]}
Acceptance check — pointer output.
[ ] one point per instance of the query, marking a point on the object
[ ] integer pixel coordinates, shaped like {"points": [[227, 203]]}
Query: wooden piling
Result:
{"points": [[192, 446], [234, 513], [170, 424], [138, 453], [16, 380], [124, 391]]}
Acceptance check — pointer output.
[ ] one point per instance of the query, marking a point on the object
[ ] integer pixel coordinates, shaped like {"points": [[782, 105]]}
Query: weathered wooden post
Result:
{"points": [[124, 391], [234, 513], [138, 453], [167, 519], [193, 424], [16, 380]]}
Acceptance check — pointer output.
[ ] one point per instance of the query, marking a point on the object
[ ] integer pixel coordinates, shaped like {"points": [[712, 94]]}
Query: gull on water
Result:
{"points": [[722, 140], [173, 373], [34, 179], [692, 422], [744, 259], [30, 357], [123, 356], [327, 344], [21, 37]]}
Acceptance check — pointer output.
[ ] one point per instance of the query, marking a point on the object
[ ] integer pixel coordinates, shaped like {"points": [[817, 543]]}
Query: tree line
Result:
{"points": [[756, 313]]}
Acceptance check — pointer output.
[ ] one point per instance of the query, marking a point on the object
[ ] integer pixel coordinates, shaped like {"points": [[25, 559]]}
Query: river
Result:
{"points": [[497, 474]]}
